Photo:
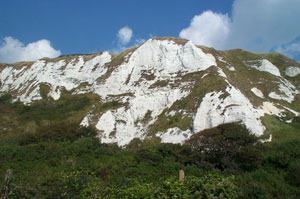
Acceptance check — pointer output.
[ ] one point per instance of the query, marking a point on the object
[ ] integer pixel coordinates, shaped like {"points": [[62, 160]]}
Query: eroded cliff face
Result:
{"points": [[167, 88]]}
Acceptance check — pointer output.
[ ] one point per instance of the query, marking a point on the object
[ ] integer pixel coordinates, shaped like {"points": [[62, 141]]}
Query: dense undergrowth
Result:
{"points": [[61, 159]]}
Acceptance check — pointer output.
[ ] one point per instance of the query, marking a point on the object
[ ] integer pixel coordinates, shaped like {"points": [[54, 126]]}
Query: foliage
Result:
{"points": [[265, 184], [228, 146], [209, 186], [293, 174], [59, 165]]}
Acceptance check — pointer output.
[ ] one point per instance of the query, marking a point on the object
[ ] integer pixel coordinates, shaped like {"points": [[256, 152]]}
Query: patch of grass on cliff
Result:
{"points": [[281, 131], [17, 119], [66, 106]]}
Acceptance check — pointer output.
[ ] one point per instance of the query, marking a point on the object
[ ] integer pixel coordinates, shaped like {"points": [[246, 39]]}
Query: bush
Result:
{"points": [[148, 155], [281, 155], [263, 184], [293, 174], [72, 183], [209, 186], [228, 146]]}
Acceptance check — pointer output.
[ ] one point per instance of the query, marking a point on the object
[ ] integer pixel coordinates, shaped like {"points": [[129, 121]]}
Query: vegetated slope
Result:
{"points": [[165, 89]]}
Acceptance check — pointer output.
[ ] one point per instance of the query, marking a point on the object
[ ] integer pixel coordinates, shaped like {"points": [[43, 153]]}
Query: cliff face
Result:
{"points": [[167, 88]]}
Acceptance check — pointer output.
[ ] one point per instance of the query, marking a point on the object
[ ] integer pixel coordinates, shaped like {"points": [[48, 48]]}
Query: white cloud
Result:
{"points": [[256, 25], [12, 50], [209, 29], [124, 35], [259, 25]]}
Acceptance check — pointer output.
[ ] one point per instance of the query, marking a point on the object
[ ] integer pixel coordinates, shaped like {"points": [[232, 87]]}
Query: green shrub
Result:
{"points": [[209, 186], [293, 174], [149, 155], [72, 183], [281, 155], [263, 184], [228, 146]]}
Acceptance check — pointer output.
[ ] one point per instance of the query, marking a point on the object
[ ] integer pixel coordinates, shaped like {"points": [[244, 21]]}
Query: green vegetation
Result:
{"points": [[78, 166], [226, 147], [52, 156], [209, 186], [64, 160]]}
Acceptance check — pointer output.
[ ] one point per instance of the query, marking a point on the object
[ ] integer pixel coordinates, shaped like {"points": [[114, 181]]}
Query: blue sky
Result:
{"points": [[31, 29]]}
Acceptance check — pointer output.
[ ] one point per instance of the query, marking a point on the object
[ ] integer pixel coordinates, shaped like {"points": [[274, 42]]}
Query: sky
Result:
{"points": [[33, 29]]}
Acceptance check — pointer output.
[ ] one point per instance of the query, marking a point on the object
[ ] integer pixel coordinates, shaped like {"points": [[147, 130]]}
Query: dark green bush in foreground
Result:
{"points": [[226, 147]]}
